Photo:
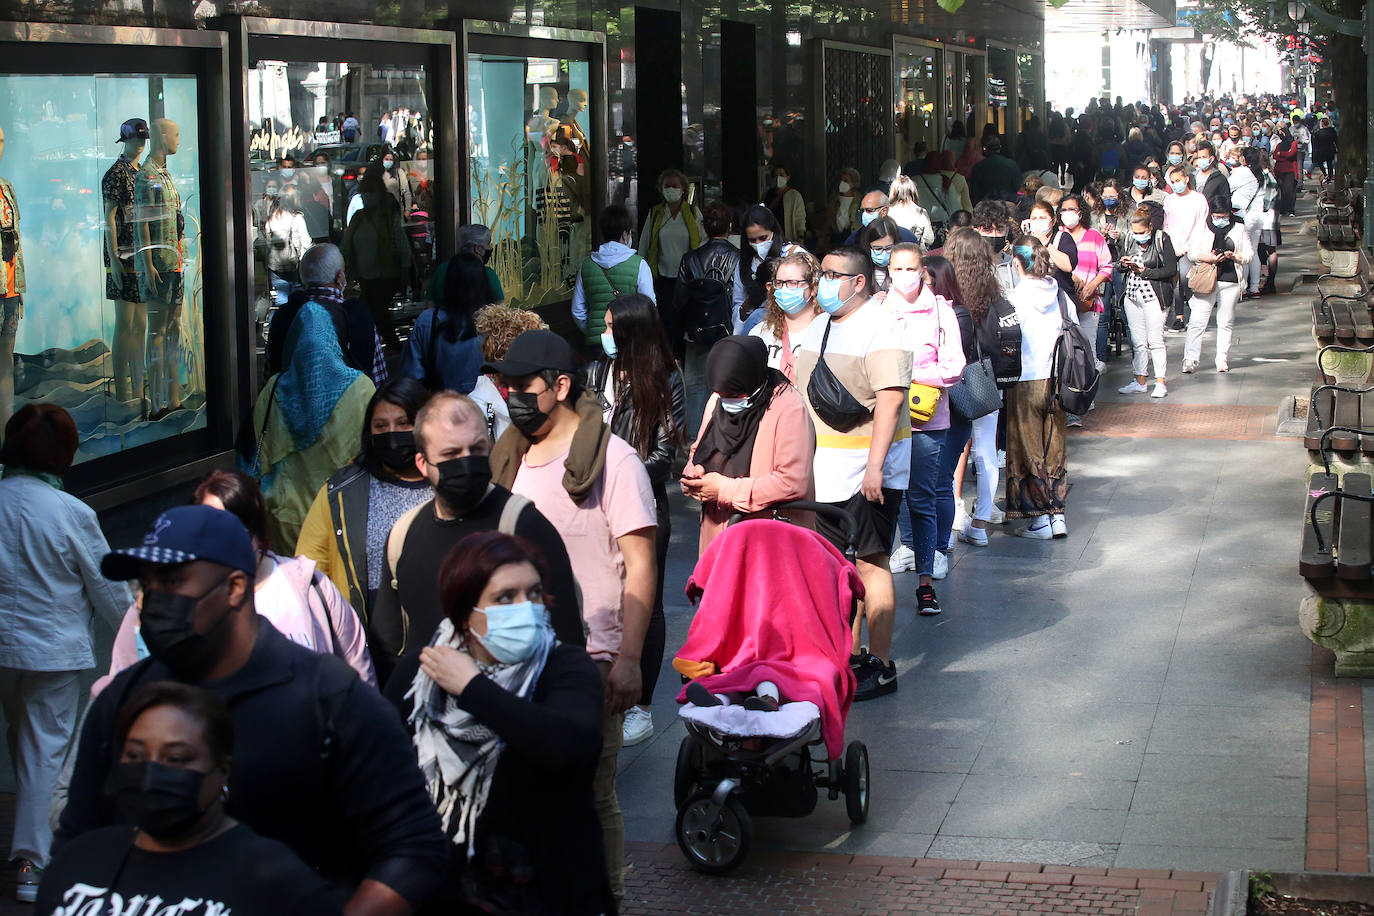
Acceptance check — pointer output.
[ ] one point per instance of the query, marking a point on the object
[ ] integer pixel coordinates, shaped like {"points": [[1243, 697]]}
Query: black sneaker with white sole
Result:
{"points": [[876, 680], [927, 605], [857, 662]]}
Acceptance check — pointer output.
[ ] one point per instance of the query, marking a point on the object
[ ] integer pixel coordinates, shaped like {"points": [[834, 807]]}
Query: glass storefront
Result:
{"points": [[1001, 82], [102, 202], [1028, 74], [532, 170], [920, 73]]}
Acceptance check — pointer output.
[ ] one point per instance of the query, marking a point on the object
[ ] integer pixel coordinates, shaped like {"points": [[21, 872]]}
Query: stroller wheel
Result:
{"points": [[713, 837], [856, 782], [687, 771]]}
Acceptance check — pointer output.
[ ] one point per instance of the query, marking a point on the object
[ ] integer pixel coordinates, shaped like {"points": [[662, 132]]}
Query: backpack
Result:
{"points": [[705, 311], [1002, 328], [1074, 368]]}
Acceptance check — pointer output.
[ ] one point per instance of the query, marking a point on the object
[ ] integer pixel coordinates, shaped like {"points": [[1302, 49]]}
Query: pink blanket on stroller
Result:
{"points": [[775, 604]]}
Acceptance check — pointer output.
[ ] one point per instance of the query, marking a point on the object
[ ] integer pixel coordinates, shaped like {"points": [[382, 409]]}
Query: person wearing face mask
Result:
{"points": [[591, 484], [992, 221], [1227, 246], [613, 269], [1185, 216], [937, 360], [345, 530], [644, 403], [671, 229], [757, 442], [1149, 265], [321, 762], [305, 422], [1209, 178], [1247, 201], [787, 205], [874, 206], [376, 251], [506, 725], [878, 239], [1324, 142], [1287, 169], [790, 309], [444, 350], [841, 215], [397, 182], [1044, 225], [292, 593], [761, 232], [863, 451], [906, 211], [1092, 271], [53, 544], [324, 278], [452, 454], [176, 747], [1175, 154], [709, 302]]}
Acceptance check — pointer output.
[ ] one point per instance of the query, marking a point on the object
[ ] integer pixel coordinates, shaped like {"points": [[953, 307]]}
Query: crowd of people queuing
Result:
{"points": [[387, 664]]}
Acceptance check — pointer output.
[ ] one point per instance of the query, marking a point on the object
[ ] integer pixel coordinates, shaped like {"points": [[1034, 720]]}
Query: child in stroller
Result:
{"points": [[768, 658]]}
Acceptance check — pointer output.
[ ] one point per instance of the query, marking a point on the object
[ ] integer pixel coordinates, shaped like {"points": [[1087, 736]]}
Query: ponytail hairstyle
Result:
{"points": [[1033, 257]]}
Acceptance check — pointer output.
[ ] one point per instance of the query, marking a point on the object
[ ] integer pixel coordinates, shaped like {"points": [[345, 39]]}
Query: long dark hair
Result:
{"points": [[465, 291], [944, 282], [407, 394], [759, 215], [971, 256], [644, 361], [469, 566], [241, 497]]}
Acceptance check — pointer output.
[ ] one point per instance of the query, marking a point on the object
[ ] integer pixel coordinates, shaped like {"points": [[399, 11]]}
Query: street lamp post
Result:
{"points": [[1354, 27]]}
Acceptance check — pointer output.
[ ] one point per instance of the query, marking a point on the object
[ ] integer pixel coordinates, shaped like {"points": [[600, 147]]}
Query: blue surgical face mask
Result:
{"points": [[828, 295], [1141, 237], [1108, 202], [514, 631], [1179, 186], [733, 405], [867, 217], [1141, 183], [608, 344], [1204, 163], [789, 300], [880, 258], [1222, 222], [1175, 159]]}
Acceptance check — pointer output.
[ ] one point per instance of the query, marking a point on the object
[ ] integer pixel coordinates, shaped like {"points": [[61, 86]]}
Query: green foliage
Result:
{"points": [[1261, 883]]}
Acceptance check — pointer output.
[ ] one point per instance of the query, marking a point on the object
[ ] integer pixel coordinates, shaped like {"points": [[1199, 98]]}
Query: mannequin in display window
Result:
{"points": [[161, 228], [11, 289], [577, 103], [542, 121], [121, 276]]}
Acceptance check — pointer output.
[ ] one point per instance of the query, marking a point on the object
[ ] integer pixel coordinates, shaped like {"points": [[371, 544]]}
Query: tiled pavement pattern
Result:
{"points": [[871, 885], [1167, 419], [1337, 805]]}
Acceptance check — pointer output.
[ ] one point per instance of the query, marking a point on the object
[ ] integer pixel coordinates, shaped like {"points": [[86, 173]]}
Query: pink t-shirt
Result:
{"points": [[620, 503]]}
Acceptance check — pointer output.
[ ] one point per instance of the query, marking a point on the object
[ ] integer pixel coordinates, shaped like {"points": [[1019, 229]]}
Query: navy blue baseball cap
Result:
{"points": [[134, 128], [185, 534]]}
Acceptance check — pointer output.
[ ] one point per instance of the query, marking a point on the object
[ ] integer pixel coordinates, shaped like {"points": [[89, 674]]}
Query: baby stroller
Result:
{"points": [[776, 605]]}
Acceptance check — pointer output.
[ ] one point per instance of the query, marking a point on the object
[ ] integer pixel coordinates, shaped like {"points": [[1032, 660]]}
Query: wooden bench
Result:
{"points": [[1336, 557]]}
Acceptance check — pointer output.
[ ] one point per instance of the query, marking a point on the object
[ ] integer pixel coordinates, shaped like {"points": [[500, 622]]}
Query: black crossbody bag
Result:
{"points": [[831, 401]]}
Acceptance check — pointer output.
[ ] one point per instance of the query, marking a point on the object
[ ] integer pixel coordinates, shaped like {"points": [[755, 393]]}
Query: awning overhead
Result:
{"points": [[1110, 15]]}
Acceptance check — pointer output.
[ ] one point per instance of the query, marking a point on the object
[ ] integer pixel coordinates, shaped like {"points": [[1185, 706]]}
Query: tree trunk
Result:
{"points": [[1349, 68]]}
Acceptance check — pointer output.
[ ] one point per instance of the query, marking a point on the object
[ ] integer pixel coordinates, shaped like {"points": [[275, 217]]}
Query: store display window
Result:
{"points": [[102, 301]]}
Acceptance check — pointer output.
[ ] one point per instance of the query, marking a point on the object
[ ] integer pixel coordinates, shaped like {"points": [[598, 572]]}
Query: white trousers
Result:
{"points": [[1146, 321], [1224, 298], [40, 711], [1088, 322], [985, 459], [1252, 270]]}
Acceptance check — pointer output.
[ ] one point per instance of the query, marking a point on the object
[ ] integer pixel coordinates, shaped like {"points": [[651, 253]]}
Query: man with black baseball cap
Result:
{"points": [[321, 762], [592, 486]]}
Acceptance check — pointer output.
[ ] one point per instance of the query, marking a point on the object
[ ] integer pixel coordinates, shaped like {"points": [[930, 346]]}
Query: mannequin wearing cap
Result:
{"points": [[11, 288], [159, 262], [121, 277]]}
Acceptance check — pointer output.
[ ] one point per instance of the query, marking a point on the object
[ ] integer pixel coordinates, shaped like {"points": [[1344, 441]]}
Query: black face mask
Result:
{"points": [[395, 449], [525, 414], [463, 482], [165, 623], [998, 242], [162, 801]]}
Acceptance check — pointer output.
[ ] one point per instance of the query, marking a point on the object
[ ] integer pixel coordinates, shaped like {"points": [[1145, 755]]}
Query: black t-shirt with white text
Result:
{"points": [[238, 873]]}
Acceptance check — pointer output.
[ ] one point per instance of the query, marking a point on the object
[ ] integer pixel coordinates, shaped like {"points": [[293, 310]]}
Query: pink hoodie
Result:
{"points": [[937, 350]]}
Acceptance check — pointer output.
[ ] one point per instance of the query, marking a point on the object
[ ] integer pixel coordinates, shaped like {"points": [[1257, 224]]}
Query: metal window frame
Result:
{"points": [[821, 169], [147, 469]]}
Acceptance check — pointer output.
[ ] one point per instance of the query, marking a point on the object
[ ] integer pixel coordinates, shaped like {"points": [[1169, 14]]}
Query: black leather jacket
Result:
{"points": [[716, 258], [1160, 266], [659, 461]]}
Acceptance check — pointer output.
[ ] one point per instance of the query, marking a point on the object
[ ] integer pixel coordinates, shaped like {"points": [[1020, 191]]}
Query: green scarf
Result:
{"points": [[52, 480]]}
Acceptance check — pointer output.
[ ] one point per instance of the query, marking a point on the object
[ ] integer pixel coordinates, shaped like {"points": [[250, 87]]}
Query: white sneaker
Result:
{"points": [[903, 559], [1133, 388], [978, 537], [1002, 458], [639, 726], [1222, 367], [941, 566], [1159, 391], [1058, 527], [1040, 529], [1100, 365], [1189, 366]]}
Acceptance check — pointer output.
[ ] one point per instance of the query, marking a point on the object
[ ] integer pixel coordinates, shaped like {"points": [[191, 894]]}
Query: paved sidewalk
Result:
{"points": [[1137, 696]]}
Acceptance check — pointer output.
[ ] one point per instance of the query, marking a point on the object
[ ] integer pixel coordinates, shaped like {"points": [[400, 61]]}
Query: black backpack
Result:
{"points": [[705, 313], [1002, 330], [1076, 377]]}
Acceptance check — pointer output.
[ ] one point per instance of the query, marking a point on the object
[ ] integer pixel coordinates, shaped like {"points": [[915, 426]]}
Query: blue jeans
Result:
{"points": [[956, 437], [918, 531]]}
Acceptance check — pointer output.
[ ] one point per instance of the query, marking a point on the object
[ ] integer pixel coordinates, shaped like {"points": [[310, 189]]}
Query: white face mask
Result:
{"points": [[627, 240], [672, 195], [845, 187], [1069, 219], [906, 282], [1040, 226], [734, 405], [782, 181], [762, 248]]}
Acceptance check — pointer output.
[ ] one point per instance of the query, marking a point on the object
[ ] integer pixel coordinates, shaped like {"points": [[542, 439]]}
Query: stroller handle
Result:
{"points": [[846, 519]]}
